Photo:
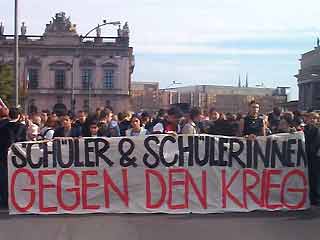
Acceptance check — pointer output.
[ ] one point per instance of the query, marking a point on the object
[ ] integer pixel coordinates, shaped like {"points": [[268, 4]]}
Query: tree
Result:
{"points": [[6, 83]]}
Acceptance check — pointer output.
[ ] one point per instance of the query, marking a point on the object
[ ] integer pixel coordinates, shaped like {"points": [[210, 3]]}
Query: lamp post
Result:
{"points": [[16, 55], [90, 83], [116, 23]]}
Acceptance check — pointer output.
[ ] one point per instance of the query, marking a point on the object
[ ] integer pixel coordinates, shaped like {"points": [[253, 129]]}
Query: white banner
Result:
{"points": [[158, 173]]}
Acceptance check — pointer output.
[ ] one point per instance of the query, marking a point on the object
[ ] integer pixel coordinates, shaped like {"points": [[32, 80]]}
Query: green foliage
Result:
{"points": [[6, 83]]}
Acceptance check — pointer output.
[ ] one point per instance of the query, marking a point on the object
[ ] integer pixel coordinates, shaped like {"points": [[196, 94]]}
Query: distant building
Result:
{"points": [[144, 96], [147, 96], [291, 106], [309, 80], [61, 70], [228, 98]]}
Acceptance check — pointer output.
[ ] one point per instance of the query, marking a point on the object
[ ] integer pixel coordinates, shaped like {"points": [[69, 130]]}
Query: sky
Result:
{"points": [[195, 42]]}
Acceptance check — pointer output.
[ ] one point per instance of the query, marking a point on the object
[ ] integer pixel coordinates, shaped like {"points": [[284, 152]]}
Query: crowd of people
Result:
{"points": [[16, 126]]}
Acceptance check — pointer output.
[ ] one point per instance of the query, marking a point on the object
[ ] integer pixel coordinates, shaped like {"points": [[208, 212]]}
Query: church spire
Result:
{"points": [[247, 81], [239, 81]]}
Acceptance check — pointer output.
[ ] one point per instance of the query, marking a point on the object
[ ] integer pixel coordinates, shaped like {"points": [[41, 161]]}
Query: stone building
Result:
{"points": [[61, 70], [309, 80], [228, 98], [144, 96], [147, 96]]}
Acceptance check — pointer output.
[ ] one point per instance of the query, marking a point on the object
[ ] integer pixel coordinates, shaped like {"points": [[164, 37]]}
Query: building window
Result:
{"points": [[108, 79], [59, 77], [86, 78], [33, 78]]}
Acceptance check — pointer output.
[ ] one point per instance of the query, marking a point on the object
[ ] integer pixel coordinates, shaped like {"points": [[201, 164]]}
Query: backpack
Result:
{"points": [[43, 135]]}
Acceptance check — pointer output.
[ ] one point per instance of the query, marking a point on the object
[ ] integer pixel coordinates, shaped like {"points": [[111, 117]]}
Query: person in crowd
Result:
{"points": [[312, 138], [231, 125], [82, 123], [4, 146], [208, 126], [17, 130], [285, 126], [274, 119], [205, 115], [213, 115], [252, 125], [267, 128], [222, 116], [124, 122], [11, 131], [171, 124], [298, 120], [67, 130], [98, 111], [114, 117], [24, 119], [47, 132], [160, 116], [94, 129], [225, 125], [36, 119], [107, 126], [4, 114], [33, 129], [44, 118], [289, 116], [239, 116], [146, 121], [136, 127], [193, 120]]}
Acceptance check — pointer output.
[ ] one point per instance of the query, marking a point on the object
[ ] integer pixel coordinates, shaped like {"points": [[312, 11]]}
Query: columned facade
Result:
{"points": [[309, 80], [61, 69]]}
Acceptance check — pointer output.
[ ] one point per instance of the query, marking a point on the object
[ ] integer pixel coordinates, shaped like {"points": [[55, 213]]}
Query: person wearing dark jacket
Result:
{"points": [[274, 119], [82, 123], [225, 127], [107, 126], [67, 130], [312, 136], [124, 122], [252, 125], [11, 131]]}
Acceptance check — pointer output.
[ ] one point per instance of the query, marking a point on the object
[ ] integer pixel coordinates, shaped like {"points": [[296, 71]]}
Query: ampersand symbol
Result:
{"points": [[125, 160]]}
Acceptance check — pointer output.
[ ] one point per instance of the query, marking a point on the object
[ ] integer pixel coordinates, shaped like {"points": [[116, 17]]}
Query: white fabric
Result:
{"points": [[48, 133], [138, 187]]}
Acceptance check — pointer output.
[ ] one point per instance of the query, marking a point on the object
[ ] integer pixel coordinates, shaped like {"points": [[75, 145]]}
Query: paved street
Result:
{"points": [[256, 225]]}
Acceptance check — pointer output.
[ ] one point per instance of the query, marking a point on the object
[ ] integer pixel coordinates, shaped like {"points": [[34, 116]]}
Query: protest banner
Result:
{"points": [[159, 173]]}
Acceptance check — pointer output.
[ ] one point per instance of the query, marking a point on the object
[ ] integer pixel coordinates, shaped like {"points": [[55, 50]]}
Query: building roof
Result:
{"points": [[218, 89]]}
